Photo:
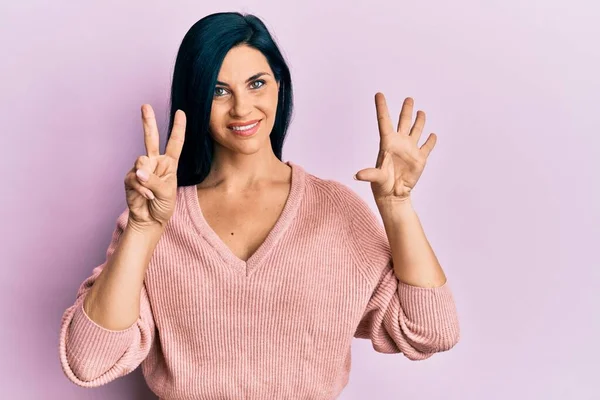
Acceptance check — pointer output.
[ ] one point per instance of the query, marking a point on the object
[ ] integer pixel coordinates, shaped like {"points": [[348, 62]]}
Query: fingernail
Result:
{"points": [[355, 178], [142, 174], [150, 195]]}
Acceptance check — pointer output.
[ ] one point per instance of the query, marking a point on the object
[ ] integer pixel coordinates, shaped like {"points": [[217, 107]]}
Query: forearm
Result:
{"points": [[113, 302], [415, 262]]}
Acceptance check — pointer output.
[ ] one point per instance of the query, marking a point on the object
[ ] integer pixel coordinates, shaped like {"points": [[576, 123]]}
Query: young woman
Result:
{"points": [[235, 275]]}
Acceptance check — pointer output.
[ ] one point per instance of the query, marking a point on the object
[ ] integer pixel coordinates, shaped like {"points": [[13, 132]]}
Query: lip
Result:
{"points": [[242, 123], [246, 133]]}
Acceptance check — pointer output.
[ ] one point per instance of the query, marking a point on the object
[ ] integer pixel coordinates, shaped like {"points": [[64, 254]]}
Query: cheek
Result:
{"points": [[217, 112], [270, 101]]}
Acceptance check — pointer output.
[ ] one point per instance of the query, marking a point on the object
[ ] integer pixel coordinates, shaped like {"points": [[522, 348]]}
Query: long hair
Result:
{"points": [[197, 66]]}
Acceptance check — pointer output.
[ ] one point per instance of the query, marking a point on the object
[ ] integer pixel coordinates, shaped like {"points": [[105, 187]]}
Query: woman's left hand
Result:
{"points": [[401, 161]]}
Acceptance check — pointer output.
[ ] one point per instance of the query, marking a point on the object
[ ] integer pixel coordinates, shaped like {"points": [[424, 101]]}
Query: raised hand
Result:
{"points": [[151, 185], [400, 161]]}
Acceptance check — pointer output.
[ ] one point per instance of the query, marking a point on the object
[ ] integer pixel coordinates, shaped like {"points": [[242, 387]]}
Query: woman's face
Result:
{"points": [[244, 101]]}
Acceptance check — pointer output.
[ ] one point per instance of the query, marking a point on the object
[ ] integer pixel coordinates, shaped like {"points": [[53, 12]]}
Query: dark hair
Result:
{"points": [[197, 66]]}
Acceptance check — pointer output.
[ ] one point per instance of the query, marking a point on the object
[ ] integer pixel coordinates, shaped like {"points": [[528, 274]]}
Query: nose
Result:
{"points": [[242, 106]]}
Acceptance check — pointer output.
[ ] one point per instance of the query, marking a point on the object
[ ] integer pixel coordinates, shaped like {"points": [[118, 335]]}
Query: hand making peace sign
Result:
{"points": [[400, 161], [151, 185]]}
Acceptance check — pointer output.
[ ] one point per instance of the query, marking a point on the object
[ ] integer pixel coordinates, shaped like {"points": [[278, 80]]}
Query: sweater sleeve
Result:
{"points": [[398, 318], [91, 355]]}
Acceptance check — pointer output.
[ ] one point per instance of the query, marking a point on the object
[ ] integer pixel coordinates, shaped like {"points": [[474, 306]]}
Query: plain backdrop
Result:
{"points": [[509, 199]]}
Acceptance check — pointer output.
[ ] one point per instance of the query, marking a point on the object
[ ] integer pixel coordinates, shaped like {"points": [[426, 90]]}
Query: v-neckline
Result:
{"points": [[287, 215]]}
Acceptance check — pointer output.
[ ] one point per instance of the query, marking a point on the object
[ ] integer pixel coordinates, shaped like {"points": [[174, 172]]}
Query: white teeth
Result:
{"points": [[244, 128]]}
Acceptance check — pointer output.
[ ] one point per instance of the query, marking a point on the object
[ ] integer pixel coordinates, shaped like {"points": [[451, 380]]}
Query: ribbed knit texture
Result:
{"points": [[277, 326]]}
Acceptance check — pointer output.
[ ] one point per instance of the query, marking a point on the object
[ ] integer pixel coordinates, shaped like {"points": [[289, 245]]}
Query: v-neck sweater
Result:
{"points": [[277, 326]]}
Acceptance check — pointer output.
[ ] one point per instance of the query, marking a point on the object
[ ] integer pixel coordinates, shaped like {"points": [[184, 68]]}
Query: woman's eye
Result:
{"points": [[254, 86], [219, 91]]}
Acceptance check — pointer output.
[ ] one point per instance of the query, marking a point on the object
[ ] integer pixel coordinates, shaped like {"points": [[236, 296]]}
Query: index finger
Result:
{"points": [[175, 143], [383, 117], [150, 131]]}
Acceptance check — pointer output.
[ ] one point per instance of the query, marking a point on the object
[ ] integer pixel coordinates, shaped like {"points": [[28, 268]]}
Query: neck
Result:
{"points": [[235, 172]]}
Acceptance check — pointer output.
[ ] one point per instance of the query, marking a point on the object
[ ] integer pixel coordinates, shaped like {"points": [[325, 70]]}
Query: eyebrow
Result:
{"points": [[253, 77]]}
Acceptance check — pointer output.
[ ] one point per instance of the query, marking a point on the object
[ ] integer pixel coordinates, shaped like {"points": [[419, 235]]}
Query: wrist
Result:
{"points": [[145, 228], [395, 207]]}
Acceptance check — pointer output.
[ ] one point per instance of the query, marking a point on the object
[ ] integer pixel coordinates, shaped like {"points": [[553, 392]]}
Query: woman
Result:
{"points": [[234, 275]]}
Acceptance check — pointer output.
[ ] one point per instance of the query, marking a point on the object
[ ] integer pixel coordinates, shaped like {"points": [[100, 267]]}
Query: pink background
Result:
{"points": [[509, 200]]}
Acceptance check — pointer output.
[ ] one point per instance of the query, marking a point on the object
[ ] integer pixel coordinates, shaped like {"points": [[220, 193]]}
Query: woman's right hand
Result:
{"points": [[151, 185]]}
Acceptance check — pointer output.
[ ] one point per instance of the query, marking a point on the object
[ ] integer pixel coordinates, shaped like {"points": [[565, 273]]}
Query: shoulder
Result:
{"points": [[363, 229], [361, 221], [335, 194]]}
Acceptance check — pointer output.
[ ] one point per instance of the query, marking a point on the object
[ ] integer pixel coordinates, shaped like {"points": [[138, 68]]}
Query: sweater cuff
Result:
{"points": [[86, 340], [432, 308]]}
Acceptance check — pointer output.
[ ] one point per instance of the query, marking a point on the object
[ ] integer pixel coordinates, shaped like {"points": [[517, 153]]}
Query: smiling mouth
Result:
{"points": [[245, 129], [241, 128]]}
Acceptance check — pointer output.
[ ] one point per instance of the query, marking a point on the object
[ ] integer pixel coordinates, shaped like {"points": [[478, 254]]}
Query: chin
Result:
{"points": [[245, 146]]}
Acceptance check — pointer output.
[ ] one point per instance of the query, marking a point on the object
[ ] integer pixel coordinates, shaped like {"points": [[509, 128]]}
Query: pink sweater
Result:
{"points": [[277, 326]]}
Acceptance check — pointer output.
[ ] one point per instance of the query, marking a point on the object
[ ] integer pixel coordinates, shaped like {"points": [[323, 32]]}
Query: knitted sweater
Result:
{"points": [[277, 326]]}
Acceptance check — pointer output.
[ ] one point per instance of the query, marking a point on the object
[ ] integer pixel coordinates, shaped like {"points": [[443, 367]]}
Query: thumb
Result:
{"points": [[376, 175]]}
